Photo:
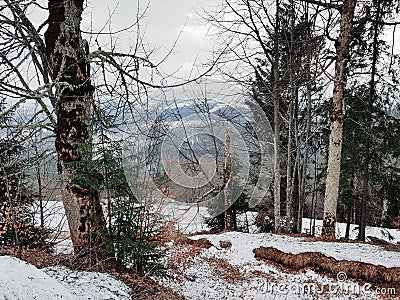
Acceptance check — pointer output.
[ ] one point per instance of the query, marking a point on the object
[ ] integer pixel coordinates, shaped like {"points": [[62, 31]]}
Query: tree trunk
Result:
{"points": [[315, 193], [348, 224], [297, 167], [289, 181], [67, 52], [40, 188], [371, 100], [303, 182], [364, 198], [277, 168], [336, 117], [229, 219], [385, 206], [293, 86]]}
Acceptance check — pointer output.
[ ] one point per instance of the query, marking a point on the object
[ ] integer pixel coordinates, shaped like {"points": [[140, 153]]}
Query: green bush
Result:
{"points": [[132, 230], [132, 239]]}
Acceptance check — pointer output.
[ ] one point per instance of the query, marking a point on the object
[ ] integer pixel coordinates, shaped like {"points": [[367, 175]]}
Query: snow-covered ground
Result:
{"points": [[190, 218], [54, 216], [244, 243], [245, 277], [20, 280], [214, 273]]}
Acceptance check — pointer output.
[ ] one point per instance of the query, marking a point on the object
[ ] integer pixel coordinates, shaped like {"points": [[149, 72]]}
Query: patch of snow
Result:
{"points": [[21, 280], [205, 285], [190, 218], [243, 244], [90, 285], [54, 216], [63, 246], [197, 280]]}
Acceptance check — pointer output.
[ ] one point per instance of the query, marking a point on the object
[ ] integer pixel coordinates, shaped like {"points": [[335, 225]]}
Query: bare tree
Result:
{"points": [[57, 71], [246, 24], [336, 117], [281, 44]]}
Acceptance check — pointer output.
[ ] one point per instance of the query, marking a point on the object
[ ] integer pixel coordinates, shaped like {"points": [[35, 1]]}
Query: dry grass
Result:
{"points": [[225, 244], [183, 240], [224, 270], [320, 263], [392, 247], [324, 239], [145, 288], [182, 257]]}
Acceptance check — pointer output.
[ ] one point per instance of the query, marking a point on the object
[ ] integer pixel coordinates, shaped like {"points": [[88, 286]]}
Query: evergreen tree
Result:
{"points": [[370, 154], [16, 219], [132, 231]]}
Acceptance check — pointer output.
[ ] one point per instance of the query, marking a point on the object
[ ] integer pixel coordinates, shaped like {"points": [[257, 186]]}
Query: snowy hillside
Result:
{"points": [[234, 273], [215, 273], [20, 280]]}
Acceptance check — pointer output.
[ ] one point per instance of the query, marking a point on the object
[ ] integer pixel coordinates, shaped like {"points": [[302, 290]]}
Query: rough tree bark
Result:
{"points": [[228, 211], [336, 117], [309, 83], [67, 52], [303, 177], [277, 124], [289, 180]]}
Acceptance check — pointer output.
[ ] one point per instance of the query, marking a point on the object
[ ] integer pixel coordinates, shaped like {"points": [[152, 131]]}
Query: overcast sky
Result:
{"points": [[161, 25], [163, 22]]}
